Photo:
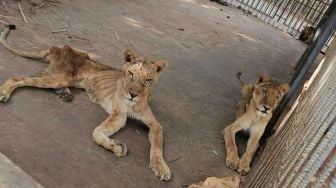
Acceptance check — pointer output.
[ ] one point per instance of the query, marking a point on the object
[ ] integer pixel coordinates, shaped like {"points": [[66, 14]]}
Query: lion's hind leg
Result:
{"points": [[49, 81]]}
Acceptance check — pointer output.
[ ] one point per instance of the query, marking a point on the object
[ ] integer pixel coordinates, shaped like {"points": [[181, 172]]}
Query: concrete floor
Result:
{"points": [[12, 176], [194, 99]]}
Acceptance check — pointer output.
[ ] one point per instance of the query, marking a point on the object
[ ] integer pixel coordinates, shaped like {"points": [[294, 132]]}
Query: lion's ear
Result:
{"points": [[129, 56], [161, 65], [284, 88], [263, 78]]}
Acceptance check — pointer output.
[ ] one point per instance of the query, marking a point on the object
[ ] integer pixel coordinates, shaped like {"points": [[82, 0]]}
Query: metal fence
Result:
{"points": [[291, 16]]}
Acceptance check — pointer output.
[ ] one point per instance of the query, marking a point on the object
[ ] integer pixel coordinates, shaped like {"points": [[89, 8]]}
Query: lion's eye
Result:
{"points": [[148, 82], [131, 73]]}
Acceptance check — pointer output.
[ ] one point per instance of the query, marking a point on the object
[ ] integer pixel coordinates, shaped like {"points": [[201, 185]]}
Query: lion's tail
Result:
{"points": [[29, 54], [240, 79]]}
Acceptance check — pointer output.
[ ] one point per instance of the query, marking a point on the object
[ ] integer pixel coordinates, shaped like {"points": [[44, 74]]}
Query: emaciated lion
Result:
{"points": [[122, 93]]}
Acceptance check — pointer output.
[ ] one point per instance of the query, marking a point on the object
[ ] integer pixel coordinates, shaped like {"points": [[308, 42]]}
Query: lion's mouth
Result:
{"points": [[262, 111], [130, 99]]}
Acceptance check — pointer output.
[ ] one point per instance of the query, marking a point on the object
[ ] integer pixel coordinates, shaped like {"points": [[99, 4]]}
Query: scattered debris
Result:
{"points": [[215, 152], [116, 34], [239, 7], [22, 14], [10, 17], [4, 5], [138, 132], [225, 4], [3, 22], [78, 37], [63, 30], [173, 160], [227, 16], [33, 3], [54, 1], [185, 184], [221, 9], [172, 140], [222, 2], [181, 29], [41, 5]]}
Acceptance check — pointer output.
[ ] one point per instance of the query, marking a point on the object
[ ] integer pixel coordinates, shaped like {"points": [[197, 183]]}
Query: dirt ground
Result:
{"points": [[194, 99]]}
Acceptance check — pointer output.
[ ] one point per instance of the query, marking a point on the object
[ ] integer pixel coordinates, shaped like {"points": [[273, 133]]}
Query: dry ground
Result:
{"points": [[194, 100]]}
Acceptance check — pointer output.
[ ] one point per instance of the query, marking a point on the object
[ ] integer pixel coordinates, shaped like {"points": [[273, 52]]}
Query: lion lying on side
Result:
{"points": [[122, 93], [253, 113]]}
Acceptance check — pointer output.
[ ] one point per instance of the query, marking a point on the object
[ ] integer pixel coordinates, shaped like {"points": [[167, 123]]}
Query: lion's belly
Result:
{"points": [[101, 87]]}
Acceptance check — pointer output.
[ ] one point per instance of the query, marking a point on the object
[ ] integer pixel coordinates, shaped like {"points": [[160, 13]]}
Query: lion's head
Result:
{"points": [[139, 75], [268, 93]]}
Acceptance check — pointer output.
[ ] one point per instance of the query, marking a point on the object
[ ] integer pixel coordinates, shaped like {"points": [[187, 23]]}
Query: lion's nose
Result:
{"points": [[133, 94], [266, 108]]}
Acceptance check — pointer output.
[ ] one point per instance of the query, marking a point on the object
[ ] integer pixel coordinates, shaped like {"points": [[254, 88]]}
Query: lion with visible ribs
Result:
{"points": [[122, 93], [253, 113]]}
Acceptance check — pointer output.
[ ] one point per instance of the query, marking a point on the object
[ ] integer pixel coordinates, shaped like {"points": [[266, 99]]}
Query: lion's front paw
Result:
{"points": [[119, 148], [232, 163], [4, 96], [160, 168], [243, 170]]}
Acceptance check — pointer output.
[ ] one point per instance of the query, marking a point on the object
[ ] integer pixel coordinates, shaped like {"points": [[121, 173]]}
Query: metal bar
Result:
{"points": [[298, 29], [319, 25], [320, 13], [280, 4], [294, 15], [253, 8], [268, 5], [307, 15], [284, 10], [257, 5], [313, 15], [290, 12], [308, 59], [262, 6], [252, 3]]}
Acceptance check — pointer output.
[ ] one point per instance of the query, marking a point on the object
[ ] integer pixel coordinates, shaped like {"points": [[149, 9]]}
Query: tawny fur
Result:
{"points": [[214, 182], [253, 113], [122, 93]]}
